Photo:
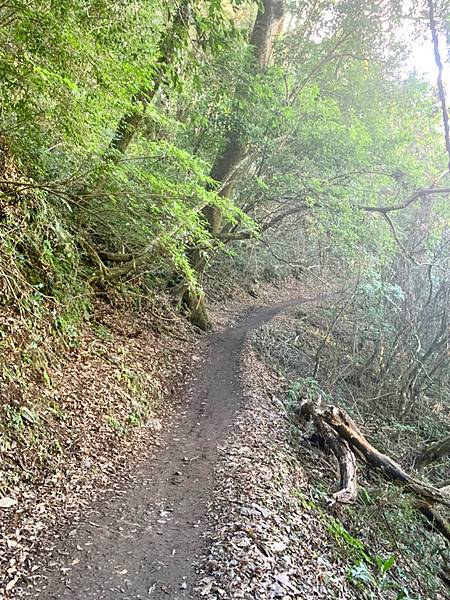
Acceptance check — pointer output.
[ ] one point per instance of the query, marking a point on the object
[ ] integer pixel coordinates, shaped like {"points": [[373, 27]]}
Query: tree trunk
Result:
{"points": [[267, 25], [197, 311], [195, 300], [131, 121]]}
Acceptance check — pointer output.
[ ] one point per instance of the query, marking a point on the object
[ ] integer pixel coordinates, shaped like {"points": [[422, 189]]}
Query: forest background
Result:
{"points": [[188, 148]]}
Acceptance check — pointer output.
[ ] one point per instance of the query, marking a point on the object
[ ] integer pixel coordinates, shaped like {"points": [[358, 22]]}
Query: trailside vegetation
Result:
{"points": [[188, 148], [141, 141]]}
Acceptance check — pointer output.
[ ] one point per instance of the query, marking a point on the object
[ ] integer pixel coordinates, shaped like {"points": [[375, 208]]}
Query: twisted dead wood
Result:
{"points": [[347, 492], [346, 429], [434, 452]]}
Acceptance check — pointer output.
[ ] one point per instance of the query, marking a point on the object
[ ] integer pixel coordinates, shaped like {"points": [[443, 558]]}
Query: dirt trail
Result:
{"points": [[142, 543]]}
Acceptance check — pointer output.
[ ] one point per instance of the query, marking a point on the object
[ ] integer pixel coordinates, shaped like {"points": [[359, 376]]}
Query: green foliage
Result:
{"points": [[332, 126], [64, 82], [65, 85], [366, 571], [342, 536], [305, 388], [323, 150], [44, 296]]}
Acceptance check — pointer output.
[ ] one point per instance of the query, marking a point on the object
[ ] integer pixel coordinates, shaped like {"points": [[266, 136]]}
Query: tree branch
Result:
{"points": [[416, 196], [246, 235], [440, 85]]}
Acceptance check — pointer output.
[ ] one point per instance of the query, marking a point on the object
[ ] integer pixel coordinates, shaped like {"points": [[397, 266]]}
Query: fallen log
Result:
{"points": [[347, 430], [435, 520], [347, 492], [434, 452]]}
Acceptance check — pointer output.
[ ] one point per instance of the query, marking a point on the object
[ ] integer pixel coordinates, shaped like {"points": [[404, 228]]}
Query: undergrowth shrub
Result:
{"points": [[383, 526], [44, 295]]}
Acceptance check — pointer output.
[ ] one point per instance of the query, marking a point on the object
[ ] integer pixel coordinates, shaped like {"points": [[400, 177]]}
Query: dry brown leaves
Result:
{"points": [[98, 415], [265, 540]]}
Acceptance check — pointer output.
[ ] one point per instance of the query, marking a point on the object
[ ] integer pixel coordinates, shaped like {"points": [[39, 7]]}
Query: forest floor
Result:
{"points": [[141, 540], [110, 448], [214, 499]]}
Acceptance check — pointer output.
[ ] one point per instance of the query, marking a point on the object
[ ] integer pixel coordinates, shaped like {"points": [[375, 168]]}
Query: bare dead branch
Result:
{"points": [[422, 193], [434, 452], [347, 430]]}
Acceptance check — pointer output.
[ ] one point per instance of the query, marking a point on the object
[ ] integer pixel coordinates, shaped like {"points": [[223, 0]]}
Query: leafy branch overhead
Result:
{"points": [[178, 153], [150, 148]]}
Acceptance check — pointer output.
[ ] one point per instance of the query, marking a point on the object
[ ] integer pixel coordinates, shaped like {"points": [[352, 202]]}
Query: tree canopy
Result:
{"points": [[145, 140]]}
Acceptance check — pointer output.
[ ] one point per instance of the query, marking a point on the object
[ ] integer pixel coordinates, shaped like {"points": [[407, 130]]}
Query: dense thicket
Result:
{"points": [[194, 146], [142, 142]]}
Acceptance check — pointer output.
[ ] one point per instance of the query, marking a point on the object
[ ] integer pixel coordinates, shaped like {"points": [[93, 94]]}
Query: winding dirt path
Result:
{"points": [[142, 543]]}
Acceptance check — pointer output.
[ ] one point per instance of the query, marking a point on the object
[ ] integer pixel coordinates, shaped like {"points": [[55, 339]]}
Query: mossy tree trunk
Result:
{"points": [[268, 23]]}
